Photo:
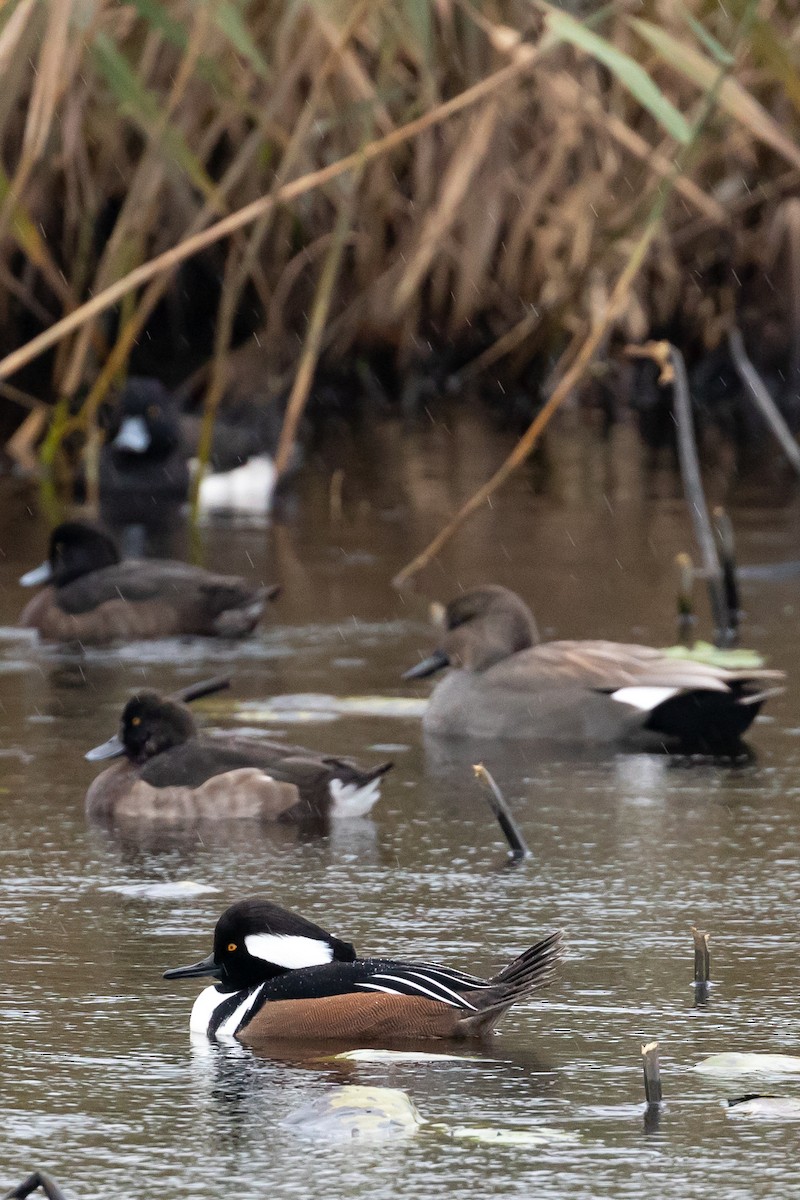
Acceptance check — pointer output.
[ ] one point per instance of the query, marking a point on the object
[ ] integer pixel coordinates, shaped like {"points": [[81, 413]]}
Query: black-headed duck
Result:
{"points": [[504, 685], [93, 598], [172, 773], [144, 471], [280, 976]]}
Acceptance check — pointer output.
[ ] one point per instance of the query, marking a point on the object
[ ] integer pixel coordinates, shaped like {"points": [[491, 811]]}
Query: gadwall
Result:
{"points": [[504, 685]]}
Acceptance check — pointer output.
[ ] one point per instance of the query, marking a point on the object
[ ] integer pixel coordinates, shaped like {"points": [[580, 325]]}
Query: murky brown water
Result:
{"points": [[99, 1081]]}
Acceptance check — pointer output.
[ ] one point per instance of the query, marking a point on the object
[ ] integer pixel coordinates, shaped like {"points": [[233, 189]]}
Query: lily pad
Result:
{"points": [[397, 1056], [734, 1063], [765, 1108], [730, 660], [355, 1112]]}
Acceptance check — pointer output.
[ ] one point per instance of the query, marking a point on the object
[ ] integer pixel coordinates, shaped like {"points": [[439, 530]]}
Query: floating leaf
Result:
{"points": [[735, 1063], [630, 74], [730, 660]]}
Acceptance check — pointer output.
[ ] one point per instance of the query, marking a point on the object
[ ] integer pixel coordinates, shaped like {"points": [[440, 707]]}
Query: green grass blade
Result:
{"points": [[631, 75], [143, 108], [733, 98]]}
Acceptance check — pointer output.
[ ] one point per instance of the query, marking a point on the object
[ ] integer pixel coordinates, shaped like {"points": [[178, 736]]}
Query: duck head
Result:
{"points": [[479, 628], [144, 423], [255, 941], [76, 549], [150, 724]]}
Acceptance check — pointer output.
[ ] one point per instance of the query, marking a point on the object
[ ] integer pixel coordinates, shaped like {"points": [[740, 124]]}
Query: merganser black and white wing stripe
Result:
{"points": [[405, 980]]}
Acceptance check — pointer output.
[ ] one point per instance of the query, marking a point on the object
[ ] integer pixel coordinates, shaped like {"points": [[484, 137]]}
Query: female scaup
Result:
{"points": [[94, 598], [171, 773]]}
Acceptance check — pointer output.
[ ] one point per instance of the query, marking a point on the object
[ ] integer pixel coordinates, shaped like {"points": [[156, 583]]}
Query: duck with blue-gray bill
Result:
{"points": [[503, 683], [94, 598], [172, 774]]}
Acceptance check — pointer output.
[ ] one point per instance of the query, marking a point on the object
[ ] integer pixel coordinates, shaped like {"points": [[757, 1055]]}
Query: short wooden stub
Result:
{"points": [[702, 958], [685, 604], [652, 1074], [517, 845]]}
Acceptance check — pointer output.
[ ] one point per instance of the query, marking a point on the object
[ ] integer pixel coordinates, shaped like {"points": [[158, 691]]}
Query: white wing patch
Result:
{"points": [[644, 698], [288, 950]]}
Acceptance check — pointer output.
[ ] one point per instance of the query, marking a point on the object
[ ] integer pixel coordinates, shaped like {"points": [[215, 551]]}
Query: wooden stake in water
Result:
{"points": [[497, 803], [702, 958], [37, 1180], [652, 1074], [726, 543], [207, 687], [686, 617]]}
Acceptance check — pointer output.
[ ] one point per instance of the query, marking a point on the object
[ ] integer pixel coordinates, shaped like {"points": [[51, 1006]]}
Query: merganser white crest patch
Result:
{"points": [[644, 698], [288, 950]]}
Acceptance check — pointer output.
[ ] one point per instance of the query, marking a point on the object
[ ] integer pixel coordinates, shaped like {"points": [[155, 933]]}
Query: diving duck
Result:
{"points": [[281, 976]]}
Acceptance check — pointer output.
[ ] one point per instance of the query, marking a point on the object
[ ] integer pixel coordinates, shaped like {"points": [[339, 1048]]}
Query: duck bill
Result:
{"points": [[206, 966], [133, 436], [41, 574], [429, 666], [113, 748]]}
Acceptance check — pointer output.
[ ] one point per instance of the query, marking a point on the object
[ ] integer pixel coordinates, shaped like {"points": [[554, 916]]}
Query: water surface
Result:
{"points": [[101, 1084]]}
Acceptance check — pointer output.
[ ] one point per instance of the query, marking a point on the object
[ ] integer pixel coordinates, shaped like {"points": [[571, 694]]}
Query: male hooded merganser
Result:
{"points": [[281, 976], [506, 685], [172, 773], [95, 599]]}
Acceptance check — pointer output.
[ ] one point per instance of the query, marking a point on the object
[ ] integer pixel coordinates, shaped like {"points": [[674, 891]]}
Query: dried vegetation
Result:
{"points": [[183, 177]]}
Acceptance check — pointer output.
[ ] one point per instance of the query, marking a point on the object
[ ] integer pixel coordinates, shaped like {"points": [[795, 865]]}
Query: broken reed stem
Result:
{"points": [[702, 958], [652, 1074], [316, 327], [686, 617], [37, 1180], [207, 687], [726, 544], [526, 57], [762, 398], [497, 803], [695, 497]]}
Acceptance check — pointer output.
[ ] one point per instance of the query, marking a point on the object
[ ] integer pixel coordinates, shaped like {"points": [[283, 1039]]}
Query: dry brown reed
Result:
{"points": [[500, 161]]}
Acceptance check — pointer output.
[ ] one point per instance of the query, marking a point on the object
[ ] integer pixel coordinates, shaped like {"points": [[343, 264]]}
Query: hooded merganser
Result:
{"points": [[172, 773], [281, 976], [95, 599], [505, 685]]}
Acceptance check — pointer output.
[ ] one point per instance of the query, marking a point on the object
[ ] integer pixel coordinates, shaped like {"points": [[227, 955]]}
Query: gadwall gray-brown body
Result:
{"points": [[503, 685]]}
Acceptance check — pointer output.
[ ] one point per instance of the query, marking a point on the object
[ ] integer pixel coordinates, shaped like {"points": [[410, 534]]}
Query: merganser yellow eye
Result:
{"points": [[231, 947], [136, 721]]}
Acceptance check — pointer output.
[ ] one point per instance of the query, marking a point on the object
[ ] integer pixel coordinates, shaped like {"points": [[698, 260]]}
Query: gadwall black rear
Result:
{"points": [[93, 598], [504, 685]]}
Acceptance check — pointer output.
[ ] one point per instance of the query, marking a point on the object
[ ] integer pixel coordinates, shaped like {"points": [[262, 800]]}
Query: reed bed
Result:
{"points": [[247, 187]]}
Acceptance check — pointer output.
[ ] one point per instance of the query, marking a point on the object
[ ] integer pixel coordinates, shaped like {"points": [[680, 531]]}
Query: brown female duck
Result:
{"points": [[94, 598], [172, 774], [504, 685], [280, 976]]}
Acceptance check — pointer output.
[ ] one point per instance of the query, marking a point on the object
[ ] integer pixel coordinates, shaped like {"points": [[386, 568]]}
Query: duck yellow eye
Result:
{"points": [[231, 947], [136, 721]]}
